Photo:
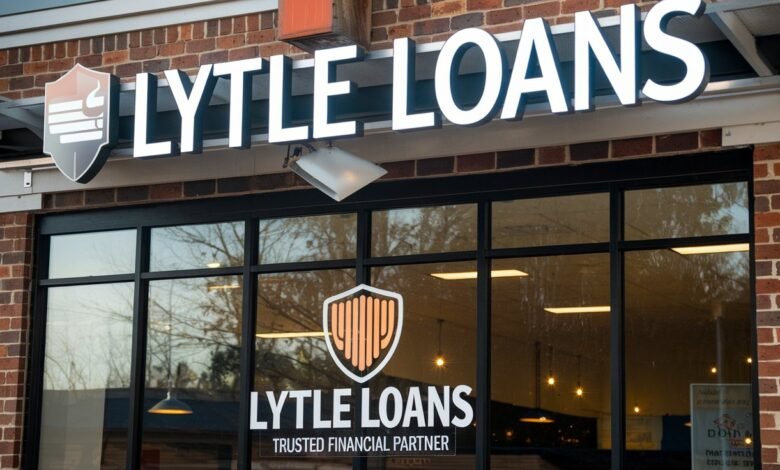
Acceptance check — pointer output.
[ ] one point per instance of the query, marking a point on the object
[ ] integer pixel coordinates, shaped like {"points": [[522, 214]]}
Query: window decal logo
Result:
{"points": [[81, 114], [362, 329]]}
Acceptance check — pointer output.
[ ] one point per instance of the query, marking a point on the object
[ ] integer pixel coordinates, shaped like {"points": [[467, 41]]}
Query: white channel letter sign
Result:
{"points": [[361, 329], [503, 95]]}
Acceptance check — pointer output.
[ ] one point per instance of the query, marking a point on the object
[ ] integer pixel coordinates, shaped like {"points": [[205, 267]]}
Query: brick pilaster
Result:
{"points": [[16, 233], [766, 161]]}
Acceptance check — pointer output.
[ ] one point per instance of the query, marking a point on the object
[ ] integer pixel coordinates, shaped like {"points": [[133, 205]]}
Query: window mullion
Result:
{"points": [[247, 360], [617, 338], [138, 365]]}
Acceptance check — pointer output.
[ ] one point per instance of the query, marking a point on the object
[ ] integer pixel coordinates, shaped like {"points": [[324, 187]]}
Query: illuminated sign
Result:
{"points": [[503, 94]]}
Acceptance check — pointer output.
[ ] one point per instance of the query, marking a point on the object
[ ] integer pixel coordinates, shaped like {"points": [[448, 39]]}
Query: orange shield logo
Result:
{"points": [[362, 328]]}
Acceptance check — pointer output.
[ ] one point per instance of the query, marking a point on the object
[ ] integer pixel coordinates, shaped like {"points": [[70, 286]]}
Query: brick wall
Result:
{"points": [[15, 273], [672, 144], [25, 70], [767, 222]]}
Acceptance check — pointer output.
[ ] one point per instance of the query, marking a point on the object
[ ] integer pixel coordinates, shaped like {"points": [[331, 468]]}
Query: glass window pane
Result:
{"points": [[688, 211], [193, 356], [688, 328], [197, 246], [550, 403], [86, 371], [419, 230], [318, 238], [559, 220], [92, 254], [439, 323], [292, 352]]}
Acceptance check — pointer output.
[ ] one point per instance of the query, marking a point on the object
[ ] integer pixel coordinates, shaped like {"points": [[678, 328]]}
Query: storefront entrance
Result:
{"points": [[602, 317]]}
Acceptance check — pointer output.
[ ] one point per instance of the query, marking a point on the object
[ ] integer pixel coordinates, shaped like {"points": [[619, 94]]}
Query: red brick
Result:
{"points": [[58, 65], [552, 155], [230, 42], [476, 162], [260, 37], [416, 12], [768, 454], [115, 57], [185, 62], [632, 147], [173, 49], [243, 53], [573, 6], [200, 45], [767, 219], [712, 138], [677, 142], [436, 25], [435, 166], [141, 53], [384, 18], [447, 8], [767, 152], [768, 352], [760, 170], [763, 302], [483, 4], [767, 286], [165, 191], [404, 169], [767, 386], [542, 10], [508, 15]]}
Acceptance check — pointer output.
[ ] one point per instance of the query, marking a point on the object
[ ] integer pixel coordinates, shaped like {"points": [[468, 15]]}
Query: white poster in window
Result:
{"points": [[721, 426]]}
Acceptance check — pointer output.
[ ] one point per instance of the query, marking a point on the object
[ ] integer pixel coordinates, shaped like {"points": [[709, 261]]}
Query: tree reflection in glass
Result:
{"points": [[419, 230], [194, 332], [86, 377], [687, 211], [316, 238], [197, 246]]}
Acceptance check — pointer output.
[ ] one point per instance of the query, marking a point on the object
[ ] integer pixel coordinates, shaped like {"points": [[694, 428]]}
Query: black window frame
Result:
{"points": [[614, 177]]}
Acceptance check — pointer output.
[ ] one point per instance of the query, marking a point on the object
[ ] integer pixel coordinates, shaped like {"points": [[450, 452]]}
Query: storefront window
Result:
{"points": [[192, 373], [299, 239], [550, 363], [424, 230], [197, 247], [572, 298], [687, 347], [92, 254], [688, 211], [291, 353], [561, 220], [437, 347], [86, 376]]}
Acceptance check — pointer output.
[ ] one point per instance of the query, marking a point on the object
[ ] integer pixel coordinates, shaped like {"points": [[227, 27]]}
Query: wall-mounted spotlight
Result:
{"points": [[331, 170]]}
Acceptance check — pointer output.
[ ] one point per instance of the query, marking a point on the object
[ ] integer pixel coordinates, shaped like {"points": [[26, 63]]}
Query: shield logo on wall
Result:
{"points": [[80, 123], [362, 329]]}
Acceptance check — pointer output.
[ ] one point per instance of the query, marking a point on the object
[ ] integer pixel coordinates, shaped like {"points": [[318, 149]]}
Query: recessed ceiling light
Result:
{"points": [[573, 310], [214, 265], [706, 250], [473, 274]]}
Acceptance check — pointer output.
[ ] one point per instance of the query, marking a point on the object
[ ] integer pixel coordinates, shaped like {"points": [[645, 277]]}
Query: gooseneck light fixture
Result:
{"points": [[331, 170], [550, 375], [170, 405], [579, 391]]}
